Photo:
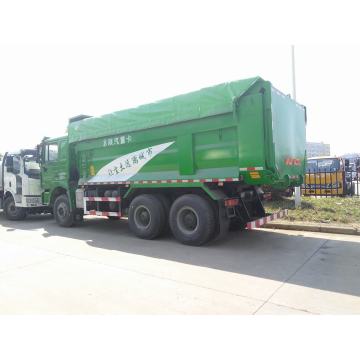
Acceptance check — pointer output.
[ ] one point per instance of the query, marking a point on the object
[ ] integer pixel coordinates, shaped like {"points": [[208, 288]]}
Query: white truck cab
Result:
{"points": [[20, 186]]}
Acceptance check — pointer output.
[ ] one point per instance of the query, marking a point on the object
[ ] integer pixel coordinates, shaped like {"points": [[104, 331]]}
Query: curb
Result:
{"points": [[346, 230]]}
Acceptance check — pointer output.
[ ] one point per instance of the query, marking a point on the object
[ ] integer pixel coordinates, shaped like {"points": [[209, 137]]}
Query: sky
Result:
{"points": [[53, 75]]}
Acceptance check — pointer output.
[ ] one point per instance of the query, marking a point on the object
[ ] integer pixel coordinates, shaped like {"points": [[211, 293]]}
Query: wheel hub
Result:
{"points": [[190, 220], [62, 210], [187, 220], [142, 216]]}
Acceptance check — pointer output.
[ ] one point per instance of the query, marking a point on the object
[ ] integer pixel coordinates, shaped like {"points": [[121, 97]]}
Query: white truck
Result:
{"points": [[20, 186]]}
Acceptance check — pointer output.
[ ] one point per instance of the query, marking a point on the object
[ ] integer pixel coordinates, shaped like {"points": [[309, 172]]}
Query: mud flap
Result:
{"points": [[224, 223]]}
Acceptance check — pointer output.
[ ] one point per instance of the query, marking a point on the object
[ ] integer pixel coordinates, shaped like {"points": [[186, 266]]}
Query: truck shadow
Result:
{"points": [[316, 262]]}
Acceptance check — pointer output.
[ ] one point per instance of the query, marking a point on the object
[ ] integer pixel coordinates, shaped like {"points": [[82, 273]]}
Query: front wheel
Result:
{"points": [[64, 216], [12, 212], [193, 220]]}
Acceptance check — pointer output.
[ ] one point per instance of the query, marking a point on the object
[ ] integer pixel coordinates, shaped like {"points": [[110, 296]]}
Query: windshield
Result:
{"points": [[329, 165], [323, 165], [311, 166], [31, 167]]}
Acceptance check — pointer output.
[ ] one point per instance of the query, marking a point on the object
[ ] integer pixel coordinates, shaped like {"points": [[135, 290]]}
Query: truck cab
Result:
{"points": [[20, 187]]}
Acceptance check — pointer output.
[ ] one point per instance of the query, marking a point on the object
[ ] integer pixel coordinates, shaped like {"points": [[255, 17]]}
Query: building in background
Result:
{"points": [[352, 156], [317, 149]]}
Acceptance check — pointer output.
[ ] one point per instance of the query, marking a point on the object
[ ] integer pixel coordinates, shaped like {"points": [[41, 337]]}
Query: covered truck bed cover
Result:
{"points": [[206, 102]]}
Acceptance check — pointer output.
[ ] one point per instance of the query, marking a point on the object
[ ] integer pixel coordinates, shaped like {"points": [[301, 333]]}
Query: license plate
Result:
{"points": [[33, 201]]}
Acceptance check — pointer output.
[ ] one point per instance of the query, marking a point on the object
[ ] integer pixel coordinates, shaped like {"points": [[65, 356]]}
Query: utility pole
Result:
{"points": [[297, 188]]}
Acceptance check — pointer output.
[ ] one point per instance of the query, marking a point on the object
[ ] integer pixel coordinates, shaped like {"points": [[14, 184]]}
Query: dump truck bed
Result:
{"points": [[244, 130]]}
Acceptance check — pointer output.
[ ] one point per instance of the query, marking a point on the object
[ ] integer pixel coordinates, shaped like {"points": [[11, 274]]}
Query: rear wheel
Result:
{"points": [[192, 220], [12, 212], [64, 216], [78, 217], [147, 216], [166, 204]]}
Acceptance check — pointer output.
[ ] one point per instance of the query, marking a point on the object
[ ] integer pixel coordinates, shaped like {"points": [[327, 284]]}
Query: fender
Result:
{"points": [[55, 193]]}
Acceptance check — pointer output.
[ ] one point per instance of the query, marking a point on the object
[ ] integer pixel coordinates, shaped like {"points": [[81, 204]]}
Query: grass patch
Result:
{"points": [[319, 210]]}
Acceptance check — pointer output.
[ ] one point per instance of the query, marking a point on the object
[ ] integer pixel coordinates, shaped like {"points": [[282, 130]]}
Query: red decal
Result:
{"points": [[292, 161]]}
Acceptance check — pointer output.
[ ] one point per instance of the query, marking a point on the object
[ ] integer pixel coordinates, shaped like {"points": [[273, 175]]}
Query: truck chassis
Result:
{"points": [[193, 216]]}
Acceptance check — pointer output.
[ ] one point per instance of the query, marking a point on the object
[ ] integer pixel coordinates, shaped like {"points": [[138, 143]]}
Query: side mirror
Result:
{"points": [[9, 163], [38, 153]]}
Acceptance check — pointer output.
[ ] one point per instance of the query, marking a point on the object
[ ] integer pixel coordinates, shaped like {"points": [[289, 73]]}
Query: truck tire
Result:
{"points": [[12, 212], [78, 218], [166, 204], [64, 216], [113, 218], [192, 220], [146, 216]]}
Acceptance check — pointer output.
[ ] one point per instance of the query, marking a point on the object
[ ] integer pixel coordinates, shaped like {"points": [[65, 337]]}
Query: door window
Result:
{"points": [[52, 152], [16, 165]]}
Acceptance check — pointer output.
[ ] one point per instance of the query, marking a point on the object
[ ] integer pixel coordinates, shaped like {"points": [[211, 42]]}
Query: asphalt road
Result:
{"points": [[101, 268]]}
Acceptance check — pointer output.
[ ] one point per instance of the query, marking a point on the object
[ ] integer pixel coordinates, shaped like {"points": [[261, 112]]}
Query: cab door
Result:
{"points": [[54, 172]]}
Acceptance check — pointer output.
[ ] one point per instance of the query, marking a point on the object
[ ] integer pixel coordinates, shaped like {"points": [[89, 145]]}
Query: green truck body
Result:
{"points": [[218, 142]]}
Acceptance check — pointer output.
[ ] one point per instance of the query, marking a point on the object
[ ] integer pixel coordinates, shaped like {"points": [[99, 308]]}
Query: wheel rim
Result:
{"points": [[62, 210], [12, 208], [142, 217], [187, 220]]}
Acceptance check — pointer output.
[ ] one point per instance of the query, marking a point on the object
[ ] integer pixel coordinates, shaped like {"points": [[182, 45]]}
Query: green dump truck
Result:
{"points": [[192, 163]]}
